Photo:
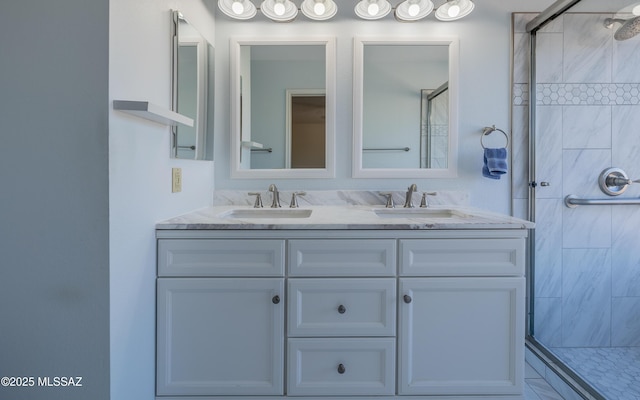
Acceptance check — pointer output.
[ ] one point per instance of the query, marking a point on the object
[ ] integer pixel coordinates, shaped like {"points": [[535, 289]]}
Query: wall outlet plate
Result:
{"points": [[176, 180]]}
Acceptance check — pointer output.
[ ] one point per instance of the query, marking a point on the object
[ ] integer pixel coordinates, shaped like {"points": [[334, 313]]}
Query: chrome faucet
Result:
{"points": [[275, 202], [408, 202], [424, 203]]}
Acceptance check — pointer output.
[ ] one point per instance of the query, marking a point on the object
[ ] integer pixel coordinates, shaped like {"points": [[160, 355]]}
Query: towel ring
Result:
{"points": [[490, 129]]}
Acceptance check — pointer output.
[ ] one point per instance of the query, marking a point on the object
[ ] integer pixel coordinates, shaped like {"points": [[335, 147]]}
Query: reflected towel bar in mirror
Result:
{"points": [[265, 150], [388, 149]]}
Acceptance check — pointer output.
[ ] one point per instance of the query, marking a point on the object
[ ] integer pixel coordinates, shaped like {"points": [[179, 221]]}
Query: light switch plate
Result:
{"points": [[176, 180]]}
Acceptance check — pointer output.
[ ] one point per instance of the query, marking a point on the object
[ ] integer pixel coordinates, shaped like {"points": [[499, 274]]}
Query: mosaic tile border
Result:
{"points": [[579, 94]]}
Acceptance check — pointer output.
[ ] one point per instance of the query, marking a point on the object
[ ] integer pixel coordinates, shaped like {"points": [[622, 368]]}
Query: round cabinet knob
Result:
{"points": [[407, 299], [275, 299], [342, 309], [341, 369]]}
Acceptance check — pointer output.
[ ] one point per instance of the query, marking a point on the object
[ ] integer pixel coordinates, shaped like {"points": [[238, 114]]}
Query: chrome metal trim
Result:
{"points": [[550, 13], [573, 201]]}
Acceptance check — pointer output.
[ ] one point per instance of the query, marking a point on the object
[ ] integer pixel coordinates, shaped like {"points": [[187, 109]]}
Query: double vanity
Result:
{"points": [[339, 301]]}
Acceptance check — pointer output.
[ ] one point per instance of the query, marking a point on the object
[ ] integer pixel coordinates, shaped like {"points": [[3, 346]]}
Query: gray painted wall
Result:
{"points": [[54, 217]]}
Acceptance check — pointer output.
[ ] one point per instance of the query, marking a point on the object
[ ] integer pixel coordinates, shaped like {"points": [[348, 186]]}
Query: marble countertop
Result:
{"points": [[344, 217]]}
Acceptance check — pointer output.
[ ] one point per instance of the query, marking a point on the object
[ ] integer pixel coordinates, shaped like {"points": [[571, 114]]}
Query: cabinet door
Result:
{"points": [[460, 336], [220, 336]]}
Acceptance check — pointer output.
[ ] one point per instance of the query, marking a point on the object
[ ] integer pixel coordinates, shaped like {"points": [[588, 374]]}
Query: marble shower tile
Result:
{"points": [[586, 227], [557, 25], [626, 58], [521, 56], [581, 170], [548, 321], [549, 151], [586, 127], [520, 152], [587, 49], [625, 261], [548, 234], [549, 57], [625, 321], [586, 300], [625, 143]]}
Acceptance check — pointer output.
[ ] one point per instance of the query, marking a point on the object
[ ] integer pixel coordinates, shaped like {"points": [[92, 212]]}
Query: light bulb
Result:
{"points": [[636, 10], [279, 8], [319, 8], [237, 7], [413, 10], [454, 11], [373, 8]]}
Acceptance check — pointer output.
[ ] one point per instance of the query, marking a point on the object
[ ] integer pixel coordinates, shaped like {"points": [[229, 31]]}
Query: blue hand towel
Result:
{"points": [[495, 163]]}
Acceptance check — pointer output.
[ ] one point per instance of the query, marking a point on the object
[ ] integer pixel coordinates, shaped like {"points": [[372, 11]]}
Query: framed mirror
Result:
{"points": [[283, 108], [192, 90], [405, 108]]}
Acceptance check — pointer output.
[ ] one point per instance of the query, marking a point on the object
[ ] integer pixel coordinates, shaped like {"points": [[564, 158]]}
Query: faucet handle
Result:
{"points": [[258, 202], [294, 199], [389, 197], [423, 202]]}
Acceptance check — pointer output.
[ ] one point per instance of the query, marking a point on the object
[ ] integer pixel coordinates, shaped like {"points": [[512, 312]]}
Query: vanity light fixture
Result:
{"points": [[279, 10], [413, 10], [238, 9], [454, 9], [372, 9], [319, 10]]}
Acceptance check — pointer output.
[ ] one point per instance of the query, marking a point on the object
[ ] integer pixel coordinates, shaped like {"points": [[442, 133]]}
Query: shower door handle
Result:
{"points": [[545, 184]]}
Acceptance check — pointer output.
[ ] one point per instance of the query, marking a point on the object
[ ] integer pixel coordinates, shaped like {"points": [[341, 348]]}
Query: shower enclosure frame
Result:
{"points": [[582, 387]]}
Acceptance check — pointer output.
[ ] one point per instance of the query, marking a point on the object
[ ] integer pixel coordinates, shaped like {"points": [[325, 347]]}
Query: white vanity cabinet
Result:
{"points": [[461, 316], [375, 314], [220, 317]]}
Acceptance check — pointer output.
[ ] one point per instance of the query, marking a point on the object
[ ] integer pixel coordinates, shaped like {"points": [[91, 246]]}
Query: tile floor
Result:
{"points": [[536, 388], [614, 371]]}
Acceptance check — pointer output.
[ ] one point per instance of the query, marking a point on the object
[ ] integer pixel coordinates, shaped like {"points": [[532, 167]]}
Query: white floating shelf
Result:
{"points": [[252, 145], [152, 112]]}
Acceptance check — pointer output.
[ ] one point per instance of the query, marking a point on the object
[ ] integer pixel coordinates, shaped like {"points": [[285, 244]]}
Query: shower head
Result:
{"points": [[630, 27]]}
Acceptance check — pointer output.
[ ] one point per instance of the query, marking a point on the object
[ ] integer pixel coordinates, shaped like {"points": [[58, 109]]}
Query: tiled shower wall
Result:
{"points": [[587, 274]]}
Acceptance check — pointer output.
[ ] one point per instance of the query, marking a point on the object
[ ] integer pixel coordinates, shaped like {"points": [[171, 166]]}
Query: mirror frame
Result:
{"points": [[358, 171], [330, 86]]}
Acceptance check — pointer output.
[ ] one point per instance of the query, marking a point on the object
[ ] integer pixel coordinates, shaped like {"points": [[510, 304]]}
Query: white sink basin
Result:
{"points": [[266, 213], [419, 213]]}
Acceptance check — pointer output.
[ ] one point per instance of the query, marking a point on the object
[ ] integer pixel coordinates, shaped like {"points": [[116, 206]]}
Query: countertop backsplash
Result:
{"points": [[339, 197]]}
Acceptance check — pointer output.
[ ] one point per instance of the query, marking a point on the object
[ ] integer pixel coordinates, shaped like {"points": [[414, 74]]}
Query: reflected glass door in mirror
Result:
{"points": [[405, 108]]}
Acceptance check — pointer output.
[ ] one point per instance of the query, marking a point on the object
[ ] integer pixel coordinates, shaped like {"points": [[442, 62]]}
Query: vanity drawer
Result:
{"points": [[468, 257], [220, 257], [341, 367], [342, 307], [346, 257]]}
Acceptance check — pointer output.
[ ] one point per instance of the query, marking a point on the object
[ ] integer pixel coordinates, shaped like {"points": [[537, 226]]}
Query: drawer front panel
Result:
{"points": [[341, 367], [220, 257], [468, 257], [342, 307], [349, 257]]}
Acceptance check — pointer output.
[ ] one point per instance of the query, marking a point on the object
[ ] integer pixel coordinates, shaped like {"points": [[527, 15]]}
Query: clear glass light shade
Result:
{"points": [[454, 9], [319, 10], [413, 10], [279, 10], [372, 9], [238, 9]]}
